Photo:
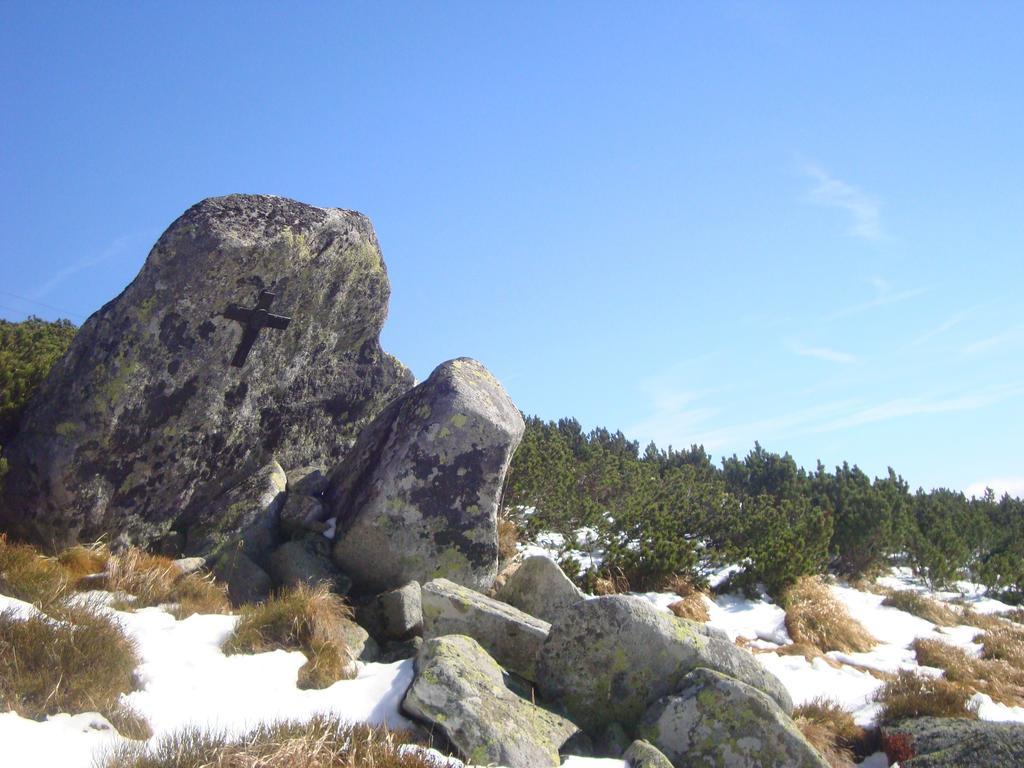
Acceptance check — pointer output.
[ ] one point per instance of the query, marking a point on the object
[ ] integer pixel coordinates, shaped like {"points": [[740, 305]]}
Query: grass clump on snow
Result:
{"points": [[913, 695], [28, 576], [79, 661], [831, 730], [815, 617], [156, 580], [999, 678], [322, 742], [691, 604], [923, 607], [303, 618]]}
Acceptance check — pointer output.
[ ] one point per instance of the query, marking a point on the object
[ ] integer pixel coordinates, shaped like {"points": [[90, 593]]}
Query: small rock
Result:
{"points": [[360, 645], [394, 615], [302, 514], [247, 582], [308, 481], [642, 754], [187, 565], [397, 650], [947, 742], [717, 720], [539, 588], [460, 690], [306, 561], [512, 637]]}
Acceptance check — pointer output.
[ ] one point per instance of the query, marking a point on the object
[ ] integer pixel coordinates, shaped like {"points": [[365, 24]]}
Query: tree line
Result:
{"points": [[661, 513]]}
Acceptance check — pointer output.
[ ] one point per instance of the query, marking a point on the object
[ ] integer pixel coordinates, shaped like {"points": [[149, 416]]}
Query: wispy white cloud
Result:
{"points": [[995, 341], [884, 296], [947, 325], [116, 248], [829, 192], [914, 406], [999, 485], [824, 353]]}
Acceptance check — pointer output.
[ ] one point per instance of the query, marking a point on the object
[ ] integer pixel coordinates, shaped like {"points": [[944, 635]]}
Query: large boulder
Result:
{"points": [[512, 637], [417, 497], [460, 690], [717, 720], [607, 659], [947, 742], [394, 615], [539, 588], [145, 421]]}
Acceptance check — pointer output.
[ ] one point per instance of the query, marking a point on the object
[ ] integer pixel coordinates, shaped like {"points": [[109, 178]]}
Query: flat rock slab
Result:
{"points": [[946, 742], [607, 659], [417, 496], [512, 637], [459, 689], [538, 587], [144, 421], [717, 720]]}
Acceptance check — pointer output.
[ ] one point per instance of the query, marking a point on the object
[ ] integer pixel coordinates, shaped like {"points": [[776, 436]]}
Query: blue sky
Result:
{"points": [[798, 223]]}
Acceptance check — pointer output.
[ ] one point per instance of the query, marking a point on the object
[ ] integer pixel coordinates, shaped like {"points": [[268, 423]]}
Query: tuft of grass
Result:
{"points": [[913, 695], [815, 617], [831, 730], [302, 618], [156, 580], [998, 678], [986, 621], [1005, 643], [611, 582], [923, 607], [28, 576], [691, 607], [79, 661], [84, 560], [322, 742], [508, 537]]}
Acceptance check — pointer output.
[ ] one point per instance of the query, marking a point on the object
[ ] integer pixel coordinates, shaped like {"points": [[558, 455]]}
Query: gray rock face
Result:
{"points": [[417, 496], [512, 637], [717, 720], [642, 754], [608, 659], [538, 587], [394, 615], [946, 742], [459, 689], [302, 514], [144, 421]]}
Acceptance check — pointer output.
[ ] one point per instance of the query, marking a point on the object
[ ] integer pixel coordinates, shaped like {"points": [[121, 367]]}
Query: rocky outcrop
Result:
{"points": [[512, 637], [538, 587], [607, 659], [459, 690], [946, 742], [718, 720], [307, 561], [142, 425], [417, 497]]}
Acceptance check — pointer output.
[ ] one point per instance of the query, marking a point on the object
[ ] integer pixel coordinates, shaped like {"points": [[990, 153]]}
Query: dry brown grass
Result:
{"points": [[1005, 643], [508, 537], [611, 582], [997, 678], [691, 607], [84, 560], [80, 660], [323, 742], [303, 618], [985, 621], [831, 730], [815, 617], [923, 607], [156, 580], [913, 695], [28, 576]]}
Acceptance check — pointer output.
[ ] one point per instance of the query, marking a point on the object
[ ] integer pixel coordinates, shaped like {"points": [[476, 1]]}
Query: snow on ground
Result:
{"points": [[185, 679]]}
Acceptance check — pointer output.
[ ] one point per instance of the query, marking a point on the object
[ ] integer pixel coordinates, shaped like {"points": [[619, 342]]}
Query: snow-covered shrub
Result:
{"points": [[303, 618], [322, 742], [815, 617], [76, 660]]}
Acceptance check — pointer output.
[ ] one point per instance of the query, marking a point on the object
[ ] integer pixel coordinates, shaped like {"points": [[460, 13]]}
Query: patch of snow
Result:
{"points": [[990, 710], [805, 680], [19, 608], [572, 761], [719, 577], [752, 619], [69, 741], [332, 528], [877, 760]]}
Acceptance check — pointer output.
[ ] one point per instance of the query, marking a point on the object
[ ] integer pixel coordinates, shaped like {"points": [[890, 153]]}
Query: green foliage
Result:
{"points": [[27, 351]]}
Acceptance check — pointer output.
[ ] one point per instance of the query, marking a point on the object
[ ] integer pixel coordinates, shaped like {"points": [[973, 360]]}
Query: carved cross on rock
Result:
{"points": [[252, 321]]}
